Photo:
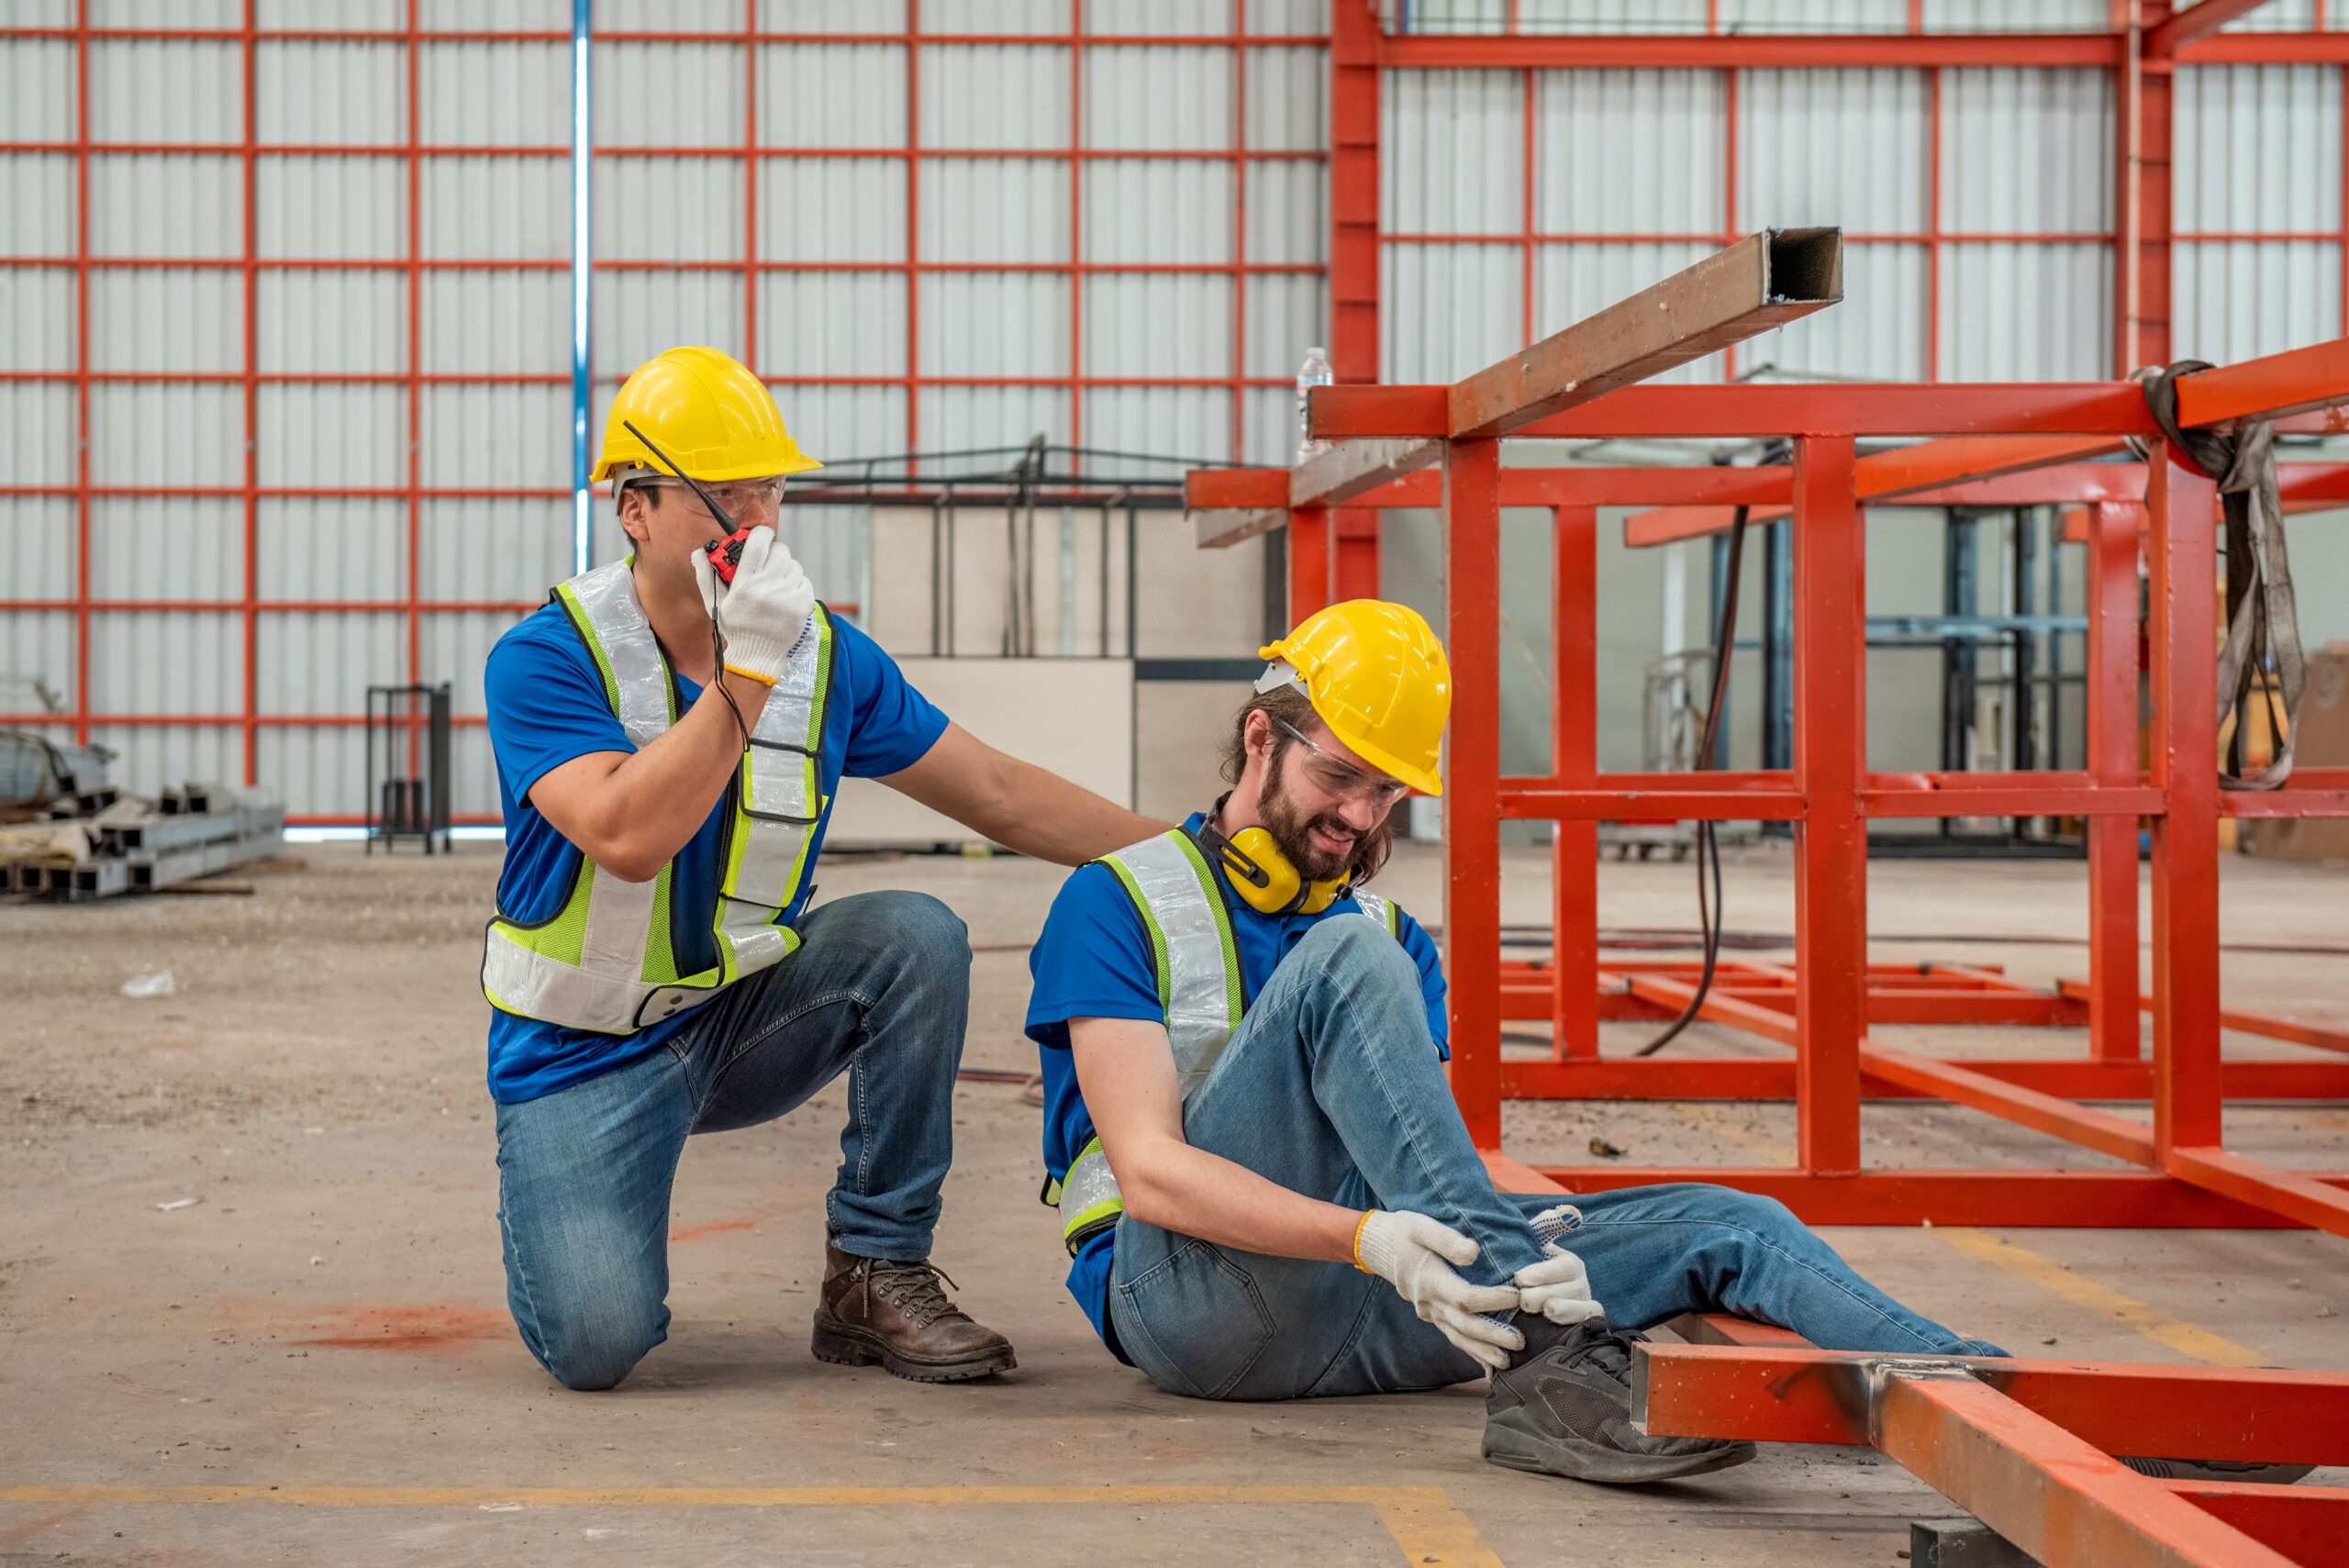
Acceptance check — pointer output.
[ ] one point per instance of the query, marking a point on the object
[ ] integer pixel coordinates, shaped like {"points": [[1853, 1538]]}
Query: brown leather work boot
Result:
{"points": [[899, 1316]]}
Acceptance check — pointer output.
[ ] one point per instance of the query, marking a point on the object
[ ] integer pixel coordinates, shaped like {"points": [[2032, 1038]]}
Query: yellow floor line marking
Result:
{"points": [[2190, 1339], [1425, 1523]]}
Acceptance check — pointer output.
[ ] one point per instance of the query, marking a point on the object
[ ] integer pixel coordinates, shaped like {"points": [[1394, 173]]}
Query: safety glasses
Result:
{"points": [[1342, 778], [742, 499]]}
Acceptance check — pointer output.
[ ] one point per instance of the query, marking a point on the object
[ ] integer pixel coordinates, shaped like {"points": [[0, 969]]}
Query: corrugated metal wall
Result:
{"points": [[328, 321], [340, 333]]}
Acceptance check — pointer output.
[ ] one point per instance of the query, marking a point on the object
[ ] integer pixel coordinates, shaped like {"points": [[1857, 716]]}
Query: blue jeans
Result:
{"points": [[880, 986], [1332, 1087]]}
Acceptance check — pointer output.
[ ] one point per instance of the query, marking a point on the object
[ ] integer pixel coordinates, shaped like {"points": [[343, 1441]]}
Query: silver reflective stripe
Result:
{"points": [[1379, 908], [606, 991], [631, 653], [1187, 916], [780, 784], [1089, 1192]]}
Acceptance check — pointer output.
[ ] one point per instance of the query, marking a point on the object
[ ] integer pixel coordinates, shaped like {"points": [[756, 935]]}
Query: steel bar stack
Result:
{"points": [[190, 833]]}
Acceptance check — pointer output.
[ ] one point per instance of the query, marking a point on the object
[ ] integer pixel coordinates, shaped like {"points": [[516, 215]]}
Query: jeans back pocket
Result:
{"points": [[1193, 1321]]}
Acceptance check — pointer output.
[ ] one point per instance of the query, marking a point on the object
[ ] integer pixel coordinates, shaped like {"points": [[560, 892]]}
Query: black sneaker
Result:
{"points": [[2218, 1470], [1563, 1407]]}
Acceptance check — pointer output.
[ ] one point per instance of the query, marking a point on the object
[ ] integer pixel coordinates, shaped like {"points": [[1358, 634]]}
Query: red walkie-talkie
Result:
{"points": [[725, 554]]}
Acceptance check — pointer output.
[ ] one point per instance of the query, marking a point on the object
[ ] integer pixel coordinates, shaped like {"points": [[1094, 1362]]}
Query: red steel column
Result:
{"points": [[1471, 807], [2144, 112], [1309, 560], [1831, 841], [2182, 548], [2113, 982], [1574, 761], [1351, 571]]}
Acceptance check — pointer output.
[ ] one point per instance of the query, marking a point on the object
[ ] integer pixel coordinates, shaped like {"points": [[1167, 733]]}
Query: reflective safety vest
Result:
{"points": [[1174, 889], [604, 961]]}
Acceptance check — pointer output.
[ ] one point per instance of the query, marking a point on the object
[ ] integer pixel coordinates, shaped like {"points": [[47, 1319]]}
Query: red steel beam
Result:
{"points": [[1952, 408], [1573, 762], [2111, 746], [2264, 1023], [1472, 900], [2204, 17], [1746, 51], [2129, 1200], [2307, 1524], [1831, 840], [2059, 1499], [1807, 1396], [1768, 1078], [2294, 1194]]}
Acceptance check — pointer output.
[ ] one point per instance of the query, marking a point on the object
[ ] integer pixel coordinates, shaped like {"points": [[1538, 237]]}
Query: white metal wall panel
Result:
{"points": [[1036, 16], [338, 15], [1833, 146], [497, 437], [665, 95], [1159, 325], [39, 104], [1157, 210], [1630, 152], [1284, 103], [839, 15], [1289, 212], [661, 209], [674, 15], [960, 419], [157, 91], [994, 209], [38, 190], [334, 550], [831, 95], [165, 548], [482, 549], [333, 437], [1289, 19], [1157, 97], [989, 324], [323, 768], [1164, 18], [37, 318], [1814, 16], [2236, 301], [337, 321], [2027, 152], [494, 94], [330, 94], [2016, 16], [174, 320], [37, 432], [2026, 312], [1448, 310], [832, 210], [1287, 313], [2258, 153], [316, 663], [477, 209], [1453, 151], [994, 96], [496, 321], [833, 324], [176, 661], [37, 548], [1647, 18], [166, 205], [848, 422], [638, 315], [331, 208], [176, 433], [1163, 421], [159, 756]]}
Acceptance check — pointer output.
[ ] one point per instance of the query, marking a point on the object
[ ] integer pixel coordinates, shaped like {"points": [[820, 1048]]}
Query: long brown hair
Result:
{"points": [[1286, 705]]}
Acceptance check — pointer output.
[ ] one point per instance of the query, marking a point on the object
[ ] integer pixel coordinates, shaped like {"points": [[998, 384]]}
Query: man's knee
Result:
{"points": [[1349, 952], [1766, 1218], [929, 936], [595, 1349]]}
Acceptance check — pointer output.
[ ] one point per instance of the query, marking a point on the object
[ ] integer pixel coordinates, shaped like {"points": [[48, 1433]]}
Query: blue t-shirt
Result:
{"points": [[1094, 960], [546, 708]]}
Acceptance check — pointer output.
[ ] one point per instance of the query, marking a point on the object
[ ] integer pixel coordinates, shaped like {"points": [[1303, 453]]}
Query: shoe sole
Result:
{"points": [[845, 1347], [1577, 1459]]}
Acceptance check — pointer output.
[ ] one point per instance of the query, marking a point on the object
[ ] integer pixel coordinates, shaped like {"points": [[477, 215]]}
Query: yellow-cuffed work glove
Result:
{"points": [[765, 613], [1416, 1254]]}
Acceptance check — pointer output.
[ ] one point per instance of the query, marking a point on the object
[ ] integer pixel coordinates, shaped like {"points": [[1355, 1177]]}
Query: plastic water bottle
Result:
{"points": [[1315, 371]]}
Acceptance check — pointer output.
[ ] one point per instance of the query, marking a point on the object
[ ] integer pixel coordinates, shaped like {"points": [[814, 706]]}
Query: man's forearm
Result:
{"points": [[1198, 1194], [659, 798], [1042, 814]]}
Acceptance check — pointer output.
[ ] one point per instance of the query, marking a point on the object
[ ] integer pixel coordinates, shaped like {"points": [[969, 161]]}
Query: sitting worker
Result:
{"points": [[1262, 1176], [668, 747]]}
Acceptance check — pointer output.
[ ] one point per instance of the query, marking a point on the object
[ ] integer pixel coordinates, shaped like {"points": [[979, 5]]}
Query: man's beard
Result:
{"points": [[1289, 828]]}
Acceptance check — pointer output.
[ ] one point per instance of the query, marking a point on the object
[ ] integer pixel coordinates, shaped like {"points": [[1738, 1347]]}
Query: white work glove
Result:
{"points": [[1558, 1287], [765, 613], [1416, 1254]]}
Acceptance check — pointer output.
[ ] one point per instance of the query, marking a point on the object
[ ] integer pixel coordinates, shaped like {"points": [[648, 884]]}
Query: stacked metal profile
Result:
{"points": [[192, 832]]}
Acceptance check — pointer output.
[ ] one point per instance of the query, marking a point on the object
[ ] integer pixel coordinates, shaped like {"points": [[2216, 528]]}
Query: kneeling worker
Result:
{"points": [[668, 747], [1263, 1179]]}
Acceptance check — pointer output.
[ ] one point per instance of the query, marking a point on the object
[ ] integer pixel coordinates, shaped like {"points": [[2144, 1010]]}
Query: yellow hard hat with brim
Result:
{"points": [[1377, 676], [704, 408]]}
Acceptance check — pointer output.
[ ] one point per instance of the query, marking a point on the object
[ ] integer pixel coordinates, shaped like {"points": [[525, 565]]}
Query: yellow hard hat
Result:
{"points": [[1379, 680], [714, 418]]}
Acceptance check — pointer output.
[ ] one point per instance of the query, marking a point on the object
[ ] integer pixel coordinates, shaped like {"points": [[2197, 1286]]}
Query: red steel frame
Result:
{"points": [[2027, 1445], [753, 153], [1823, 1004], [2144, 44]]}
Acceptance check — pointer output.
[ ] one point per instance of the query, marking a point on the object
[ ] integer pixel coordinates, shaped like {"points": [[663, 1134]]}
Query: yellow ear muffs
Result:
{"points": [[1262, 876]]}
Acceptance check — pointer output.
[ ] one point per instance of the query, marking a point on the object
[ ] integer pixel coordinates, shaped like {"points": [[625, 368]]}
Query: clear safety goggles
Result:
{"points": [[1332, 775], [740, 498]]}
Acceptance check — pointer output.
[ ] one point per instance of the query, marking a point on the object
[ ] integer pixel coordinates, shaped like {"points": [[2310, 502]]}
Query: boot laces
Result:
{"points": [[912, 1289], [1607, 1350]]}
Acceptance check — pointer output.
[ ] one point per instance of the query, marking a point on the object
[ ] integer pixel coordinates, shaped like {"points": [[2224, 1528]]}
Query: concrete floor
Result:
{"points": [[313, 1362]]}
